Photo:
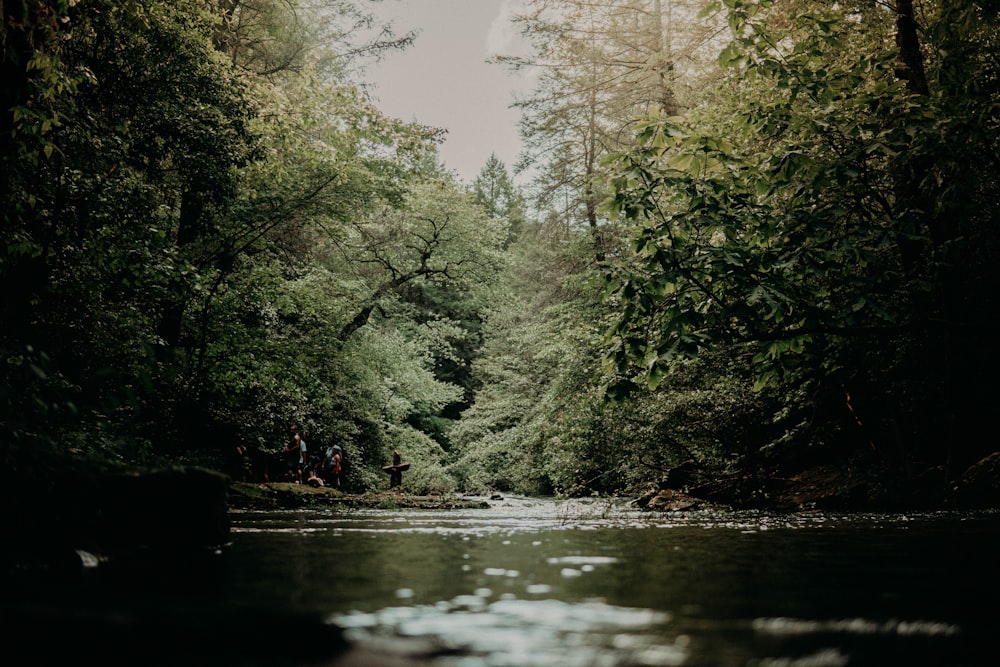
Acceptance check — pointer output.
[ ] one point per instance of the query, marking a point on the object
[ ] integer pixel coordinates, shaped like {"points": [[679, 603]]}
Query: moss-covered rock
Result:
{"points": [[284, 495], [65, 515]]}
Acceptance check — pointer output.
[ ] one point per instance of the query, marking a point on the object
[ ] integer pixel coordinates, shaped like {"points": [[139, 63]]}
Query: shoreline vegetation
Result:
{"points": [[820, 487]]}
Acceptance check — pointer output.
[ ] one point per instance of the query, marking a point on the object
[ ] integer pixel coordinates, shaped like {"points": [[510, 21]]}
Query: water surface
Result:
{"points": [[596, 583]]}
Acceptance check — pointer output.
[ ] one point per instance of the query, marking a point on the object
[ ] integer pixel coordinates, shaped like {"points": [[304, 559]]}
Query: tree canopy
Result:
{"points": [[760, 235]]}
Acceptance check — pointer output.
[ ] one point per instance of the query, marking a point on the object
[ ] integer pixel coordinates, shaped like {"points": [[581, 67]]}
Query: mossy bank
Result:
{"points": [[284, 495]]}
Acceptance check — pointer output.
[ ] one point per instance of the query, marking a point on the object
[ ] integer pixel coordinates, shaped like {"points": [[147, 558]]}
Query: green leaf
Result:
{"points": [[730, 56]]}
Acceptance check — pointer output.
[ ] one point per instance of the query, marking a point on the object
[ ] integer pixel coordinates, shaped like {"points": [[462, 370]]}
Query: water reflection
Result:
{"points": [[545, 583], [509, 631]]}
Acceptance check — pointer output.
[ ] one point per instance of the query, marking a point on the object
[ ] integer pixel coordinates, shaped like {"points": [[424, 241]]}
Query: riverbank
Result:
{"points": [[831, 486], [834, 486], [284, 495]]}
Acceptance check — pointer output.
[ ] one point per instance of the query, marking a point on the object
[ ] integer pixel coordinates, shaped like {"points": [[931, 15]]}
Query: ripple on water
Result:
{"points": [[855, 626], [471, 629]]}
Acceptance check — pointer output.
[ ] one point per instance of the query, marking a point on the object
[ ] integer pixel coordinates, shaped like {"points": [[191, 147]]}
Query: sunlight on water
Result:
{"points": [[515, 514], [469, 630]]}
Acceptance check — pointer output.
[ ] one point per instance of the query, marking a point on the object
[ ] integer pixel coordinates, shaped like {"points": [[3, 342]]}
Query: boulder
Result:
{"points": [[671, 500], [978, 487]]}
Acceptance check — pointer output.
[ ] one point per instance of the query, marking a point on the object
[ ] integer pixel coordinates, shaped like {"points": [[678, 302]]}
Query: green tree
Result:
{"points": [[495, 191], [438, 237], [138, 158], [539, 423], [803, 222], [269, 38], [161, 211], [599, 66]]}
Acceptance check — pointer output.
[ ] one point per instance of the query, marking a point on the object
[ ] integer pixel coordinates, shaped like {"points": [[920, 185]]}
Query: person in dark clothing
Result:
{"points": [[241, 464], [332, 465], [295, 454]]}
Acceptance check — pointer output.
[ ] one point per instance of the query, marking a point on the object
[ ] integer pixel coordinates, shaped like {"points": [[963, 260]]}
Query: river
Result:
{"points": [[597, 583], [537, 583]]}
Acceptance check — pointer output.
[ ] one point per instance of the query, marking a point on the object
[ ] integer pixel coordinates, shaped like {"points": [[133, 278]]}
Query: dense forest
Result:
{"points": [[758, 235]]}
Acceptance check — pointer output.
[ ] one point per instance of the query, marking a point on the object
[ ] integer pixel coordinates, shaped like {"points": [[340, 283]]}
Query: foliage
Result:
{"points": [[169, 224], [95, 236], [803, 236], [598, 65], [536, 342], [210, 232], [495, 191]]}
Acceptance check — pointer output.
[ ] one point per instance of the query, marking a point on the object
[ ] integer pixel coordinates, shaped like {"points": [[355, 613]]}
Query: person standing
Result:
{"points": [[333, 459], [395, 474], [291, 454], [241, 463], [303, 456], [295, 454]]}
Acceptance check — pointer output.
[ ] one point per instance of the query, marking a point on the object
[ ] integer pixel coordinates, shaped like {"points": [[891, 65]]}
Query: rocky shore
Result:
{"points": [[832, 487]]}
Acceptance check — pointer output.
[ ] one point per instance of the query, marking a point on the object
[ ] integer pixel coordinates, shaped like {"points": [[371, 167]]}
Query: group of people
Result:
{"points": [[300, 465], [316, 468]]}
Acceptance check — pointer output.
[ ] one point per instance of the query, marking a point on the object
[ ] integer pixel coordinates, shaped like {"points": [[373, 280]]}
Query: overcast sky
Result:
{"points": [[444, 80]]}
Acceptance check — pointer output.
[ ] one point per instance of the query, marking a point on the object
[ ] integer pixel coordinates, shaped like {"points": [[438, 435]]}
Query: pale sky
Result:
{"points": [[443, 79]]}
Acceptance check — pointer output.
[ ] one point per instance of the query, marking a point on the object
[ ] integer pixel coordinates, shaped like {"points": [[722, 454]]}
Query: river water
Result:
{"points": [[594, 583]]}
